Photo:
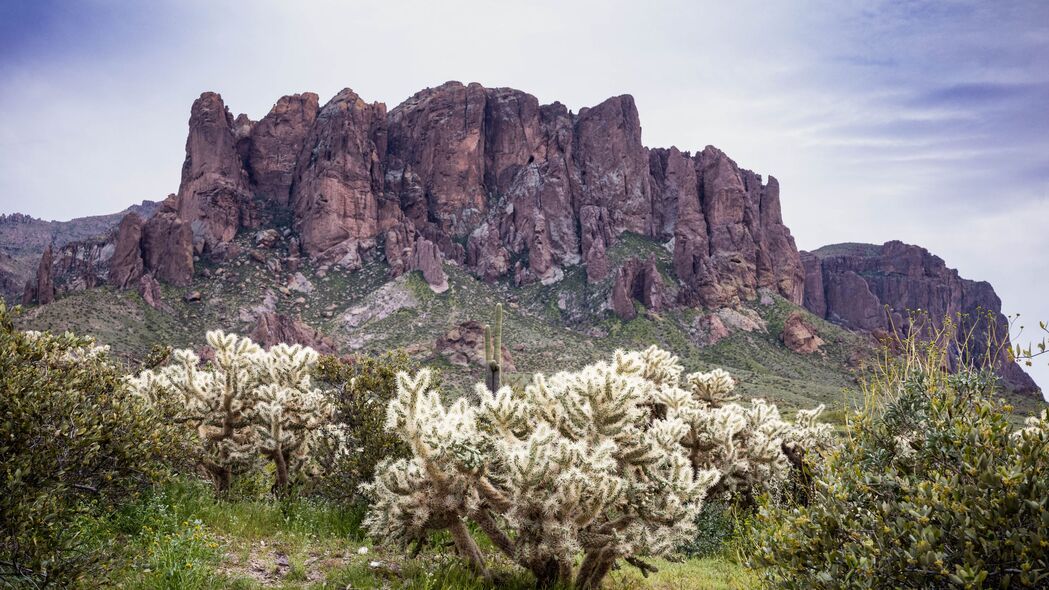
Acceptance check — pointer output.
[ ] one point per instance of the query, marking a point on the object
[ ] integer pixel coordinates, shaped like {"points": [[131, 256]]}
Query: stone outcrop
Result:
{"points": [[167, 248], [426, 258], [127, 265], [41, 289], [876, 288], [272, 328], [799, 336], [729, 236], [484, 177], [213, 197], [337, 195], [275, 144], [463, 346], [23, 240], [638, 280]]}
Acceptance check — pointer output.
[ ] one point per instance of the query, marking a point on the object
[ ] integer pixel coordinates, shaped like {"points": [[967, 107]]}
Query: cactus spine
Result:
{"points": [[493, 351]]}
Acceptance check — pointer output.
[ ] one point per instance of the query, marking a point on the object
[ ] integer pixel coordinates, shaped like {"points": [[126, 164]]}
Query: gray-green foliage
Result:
{"points": [[935, 490], [73, 442], [359, 391]]}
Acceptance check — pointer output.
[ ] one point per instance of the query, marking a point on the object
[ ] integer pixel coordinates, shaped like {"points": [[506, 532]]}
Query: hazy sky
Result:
{"points": [[924, 122]]}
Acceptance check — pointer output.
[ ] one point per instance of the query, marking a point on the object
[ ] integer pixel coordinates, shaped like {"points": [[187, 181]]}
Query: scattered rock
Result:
{"points": [[192, 296], [384, 301], [298, 282], [268, 305], [463, 345]]}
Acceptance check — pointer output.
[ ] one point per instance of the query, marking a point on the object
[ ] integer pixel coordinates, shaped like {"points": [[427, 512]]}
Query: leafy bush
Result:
{"points": [[715, 525], [73, 442], [611, 462], [247, 406], [360, 390], [932, 489]]}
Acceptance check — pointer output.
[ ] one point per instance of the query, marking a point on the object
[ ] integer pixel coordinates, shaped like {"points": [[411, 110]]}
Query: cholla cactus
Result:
{"points": [[247, 405], [611, 462]]}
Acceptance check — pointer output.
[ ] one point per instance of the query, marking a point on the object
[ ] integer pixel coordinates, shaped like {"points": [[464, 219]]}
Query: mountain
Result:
{"points": [[23, 240], [879, 288], [371, 229]]}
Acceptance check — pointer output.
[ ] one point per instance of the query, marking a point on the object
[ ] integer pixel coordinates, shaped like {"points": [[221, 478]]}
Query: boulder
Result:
{"points": [[149, 289], [799, 336], [272, 328]]}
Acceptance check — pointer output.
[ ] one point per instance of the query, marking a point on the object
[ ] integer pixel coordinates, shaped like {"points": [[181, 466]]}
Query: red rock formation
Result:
{"points": [[42, 289], [126, 265], [641, 281], [799, 336], [272, 328], [337, 196], [875, 289], [729, 237], [214, 196], [275, 144], [488, 176], [149, 289], [167, 248], [436, 159], [427, 259]]}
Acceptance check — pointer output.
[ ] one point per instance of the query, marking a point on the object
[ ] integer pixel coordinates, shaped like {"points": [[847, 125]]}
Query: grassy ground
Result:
{"points": [[181, 537], [548, 327]]}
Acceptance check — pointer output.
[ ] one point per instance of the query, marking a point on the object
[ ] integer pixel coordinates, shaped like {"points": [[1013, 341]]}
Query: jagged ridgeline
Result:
{"points": [[373, 229]]}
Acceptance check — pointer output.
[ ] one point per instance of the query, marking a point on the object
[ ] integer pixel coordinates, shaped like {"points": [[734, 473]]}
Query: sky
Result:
{"points": [[926, 122]]}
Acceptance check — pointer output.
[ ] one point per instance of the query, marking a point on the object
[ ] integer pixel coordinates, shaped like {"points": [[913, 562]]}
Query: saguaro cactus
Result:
{"points": [[493, 351]]}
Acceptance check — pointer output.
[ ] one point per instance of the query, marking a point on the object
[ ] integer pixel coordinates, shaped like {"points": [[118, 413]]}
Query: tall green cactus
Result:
{"points": [[493, 351]]}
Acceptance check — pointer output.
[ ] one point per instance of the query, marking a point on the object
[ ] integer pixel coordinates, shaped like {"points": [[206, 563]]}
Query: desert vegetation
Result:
{"points": [[230, 465]]}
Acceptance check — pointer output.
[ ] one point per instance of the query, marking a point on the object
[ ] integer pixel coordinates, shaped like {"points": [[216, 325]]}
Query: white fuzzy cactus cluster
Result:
{"points": [[610, 462], [247, 406]]}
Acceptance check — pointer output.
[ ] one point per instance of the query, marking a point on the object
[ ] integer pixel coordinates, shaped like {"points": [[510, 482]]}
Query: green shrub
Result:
{"points": [[73, 442], [715, 525], [361, 389], [932, 489]]}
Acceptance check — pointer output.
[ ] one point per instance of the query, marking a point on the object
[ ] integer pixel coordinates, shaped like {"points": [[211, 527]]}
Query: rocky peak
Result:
{"points": [[337, 193], [484, 177], [275, 143], [875, 288], [213, 197]]}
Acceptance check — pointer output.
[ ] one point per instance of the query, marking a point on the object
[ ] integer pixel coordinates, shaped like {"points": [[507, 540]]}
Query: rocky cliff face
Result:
{"points": [[491, 178], [875, 289], [23, 240]]}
